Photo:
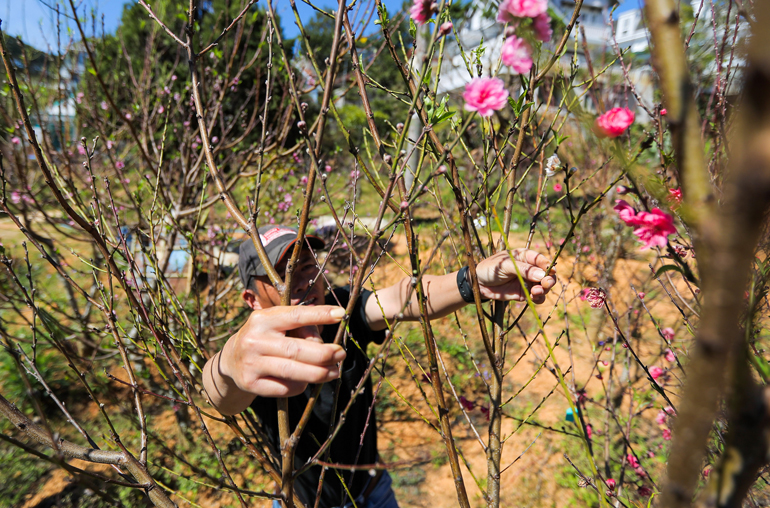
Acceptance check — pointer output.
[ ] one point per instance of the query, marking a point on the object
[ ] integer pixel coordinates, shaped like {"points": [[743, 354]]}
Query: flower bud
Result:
{"points": [[445, 28], [622, 189], [441, 170]]}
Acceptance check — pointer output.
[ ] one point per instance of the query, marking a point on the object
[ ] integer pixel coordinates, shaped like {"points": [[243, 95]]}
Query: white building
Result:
{"points": [[595, 21]]}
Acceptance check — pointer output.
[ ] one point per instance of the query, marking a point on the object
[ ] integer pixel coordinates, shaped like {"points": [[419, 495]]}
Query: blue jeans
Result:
{"points": [[381, 497]]}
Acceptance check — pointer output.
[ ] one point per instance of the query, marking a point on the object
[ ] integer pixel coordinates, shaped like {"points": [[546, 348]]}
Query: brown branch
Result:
{"points": [[69, 449], [725, 236]]}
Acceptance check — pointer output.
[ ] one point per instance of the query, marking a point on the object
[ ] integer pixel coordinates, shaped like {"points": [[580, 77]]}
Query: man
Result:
{"points": [[283, 349]]}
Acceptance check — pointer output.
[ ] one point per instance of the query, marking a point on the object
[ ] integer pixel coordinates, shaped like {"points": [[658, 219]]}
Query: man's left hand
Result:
{"points": [[498, 280]]}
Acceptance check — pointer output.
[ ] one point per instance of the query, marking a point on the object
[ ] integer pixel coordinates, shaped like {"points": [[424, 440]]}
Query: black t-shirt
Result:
{"points": [[356, 442]]}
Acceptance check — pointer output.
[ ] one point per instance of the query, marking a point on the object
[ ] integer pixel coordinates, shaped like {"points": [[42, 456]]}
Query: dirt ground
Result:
{"points": [[533, 457]]}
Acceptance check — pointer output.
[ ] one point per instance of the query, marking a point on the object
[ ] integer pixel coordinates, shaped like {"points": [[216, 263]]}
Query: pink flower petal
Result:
{"points": [[485, 95]]}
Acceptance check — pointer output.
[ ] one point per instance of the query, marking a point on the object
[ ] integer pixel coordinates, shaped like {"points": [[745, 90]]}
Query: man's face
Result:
{"points": [[302, 292]]}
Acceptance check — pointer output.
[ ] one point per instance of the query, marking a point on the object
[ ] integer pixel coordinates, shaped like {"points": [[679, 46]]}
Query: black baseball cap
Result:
{"points": [[277, 241]]}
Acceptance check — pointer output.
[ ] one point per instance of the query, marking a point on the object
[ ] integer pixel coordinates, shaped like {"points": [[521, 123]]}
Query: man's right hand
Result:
{"points": [[276, 353]]}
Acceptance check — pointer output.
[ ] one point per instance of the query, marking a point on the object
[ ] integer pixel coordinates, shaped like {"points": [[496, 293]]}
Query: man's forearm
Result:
{"points": [[442, 299], [223, 393]]}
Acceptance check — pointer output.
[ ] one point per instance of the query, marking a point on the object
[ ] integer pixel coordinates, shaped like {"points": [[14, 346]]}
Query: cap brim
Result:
{"points": [[314, 241]]}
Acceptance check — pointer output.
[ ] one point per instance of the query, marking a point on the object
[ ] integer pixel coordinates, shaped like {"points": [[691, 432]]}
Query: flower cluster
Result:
{"points": [[422, 11], [552, 165], [614, 122], [516, 52], [675, 195], [485, 95], [664, 420], [286, 203], [652, 228], [594, 296]]}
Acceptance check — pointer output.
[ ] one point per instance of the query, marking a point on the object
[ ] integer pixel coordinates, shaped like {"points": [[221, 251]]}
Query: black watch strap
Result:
{"points": [[465, 287]]}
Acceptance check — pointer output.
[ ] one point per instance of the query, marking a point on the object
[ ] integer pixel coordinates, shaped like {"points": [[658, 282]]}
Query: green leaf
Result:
{"points": [[426, 79], [666, 268], [516, 104], [412, 28], [383, 11]]}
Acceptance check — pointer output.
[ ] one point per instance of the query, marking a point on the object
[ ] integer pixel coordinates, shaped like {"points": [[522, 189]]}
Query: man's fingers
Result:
{"points": [[548, 282], [531, 257], [530, 273], [293, 371], [301, 350], [307, 333], [283, 318], [273, 387], [512, 291]]}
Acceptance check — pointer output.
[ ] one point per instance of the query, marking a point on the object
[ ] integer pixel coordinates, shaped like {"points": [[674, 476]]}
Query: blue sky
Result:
{"points": [[35, 21], [628, 5]]}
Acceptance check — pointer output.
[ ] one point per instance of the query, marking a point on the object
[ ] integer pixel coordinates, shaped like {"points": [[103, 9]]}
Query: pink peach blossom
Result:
{"points": [[670, 357], [511, 10], [626, 212], [517, 54], [485, 95], [542, 25], [16, 140], [120, 164], [655, 228], [81, 150], [675, 195], [468, 405], [663, 112], [422, 10], [656, 372], [611, 483], [557, 187], [668, 334], [632, 461], [614, 122], [667, 434], [652, 228], [15, 197], [663, 415], [594, 296]]}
